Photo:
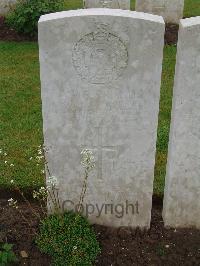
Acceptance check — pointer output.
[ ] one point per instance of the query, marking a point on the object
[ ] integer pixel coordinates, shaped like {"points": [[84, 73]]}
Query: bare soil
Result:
{"points": [[123, 246], [9, 34], [171, 34]]}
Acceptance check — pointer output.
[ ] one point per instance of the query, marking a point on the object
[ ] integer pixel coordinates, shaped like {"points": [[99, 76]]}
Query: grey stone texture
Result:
{"points": [[170, 10], [100, 78], [182, 189], [119, 4], [6, 5]]}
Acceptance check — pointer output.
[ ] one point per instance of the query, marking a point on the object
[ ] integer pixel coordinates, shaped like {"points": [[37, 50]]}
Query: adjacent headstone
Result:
{"points": [[170, 10], [119, 4], [6, 5], [182, 190], [101, 75]]}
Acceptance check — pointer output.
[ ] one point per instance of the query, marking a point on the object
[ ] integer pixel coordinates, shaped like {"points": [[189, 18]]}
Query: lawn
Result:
{"points": [[21, 119], [164, 117], [192, 8], [20, 115]]}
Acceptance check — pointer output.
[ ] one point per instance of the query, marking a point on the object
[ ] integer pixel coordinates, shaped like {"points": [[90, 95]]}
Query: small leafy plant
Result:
{"points": [[7, 256], [26, 13], [160, 250], [69, 239]]}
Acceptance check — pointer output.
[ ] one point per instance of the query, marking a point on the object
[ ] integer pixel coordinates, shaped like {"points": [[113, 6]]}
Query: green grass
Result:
{"points": [[20, 114], [192, 8], [20, 110], [164, 117], [73, 4], [133, 4]]}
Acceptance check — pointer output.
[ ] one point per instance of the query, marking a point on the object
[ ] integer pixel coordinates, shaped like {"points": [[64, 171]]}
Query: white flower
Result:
{"points": [[35, 194], [30, 158], [12, 181], [39, 158], [10, 200], [42, 171], [11, 164], [41, 194], [75, 247], [12, 203], [6, 162], [5, 154], [87, 159], [39, 152], [52, 182]]}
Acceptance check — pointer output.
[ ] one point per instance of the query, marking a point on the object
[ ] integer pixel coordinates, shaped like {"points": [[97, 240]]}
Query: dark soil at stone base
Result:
{"points": [[8, 34], [171, 34], [123, 246]]}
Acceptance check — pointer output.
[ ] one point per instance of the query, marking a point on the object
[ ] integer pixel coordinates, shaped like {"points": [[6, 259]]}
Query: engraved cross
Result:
{"points": [[99, 148]]}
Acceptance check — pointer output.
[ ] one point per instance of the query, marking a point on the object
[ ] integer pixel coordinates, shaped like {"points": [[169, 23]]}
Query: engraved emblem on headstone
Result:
{"points": [[100, 56]]}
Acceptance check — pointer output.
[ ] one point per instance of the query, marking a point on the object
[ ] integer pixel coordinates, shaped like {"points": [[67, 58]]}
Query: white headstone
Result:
{"points": [[182, 191], [171, 10], [101, 75], [119, 4], [6, 5]]}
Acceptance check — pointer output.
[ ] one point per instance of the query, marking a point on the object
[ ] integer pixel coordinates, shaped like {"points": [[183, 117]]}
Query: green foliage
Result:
{"points": [[69, 239], [7, 256], [160, 250], [24, 17], [20, 116], [73, 4], [192, 8], [164, 117], [133, 4]]}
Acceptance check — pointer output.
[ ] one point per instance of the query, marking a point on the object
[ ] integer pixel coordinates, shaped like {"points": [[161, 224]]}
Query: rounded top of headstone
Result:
{"points": [[189, 22], [102, 12]]}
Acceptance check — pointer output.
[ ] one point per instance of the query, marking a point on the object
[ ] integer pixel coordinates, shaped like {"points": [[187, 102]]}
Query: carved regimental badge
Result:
{"points": [[100, 56]]}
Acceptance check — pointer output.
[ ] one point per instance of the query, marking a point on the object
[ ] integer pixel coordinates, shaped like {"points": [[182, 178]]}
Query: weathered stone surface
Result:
{"points": [[5, 6], [170, 10], [121, 4], [100, 75], [182, 190]]}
